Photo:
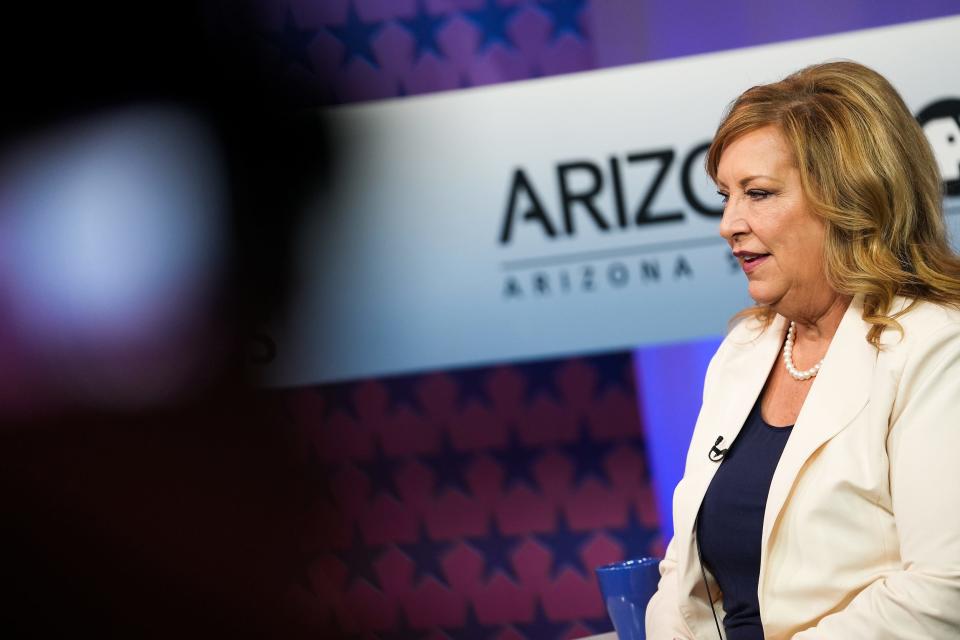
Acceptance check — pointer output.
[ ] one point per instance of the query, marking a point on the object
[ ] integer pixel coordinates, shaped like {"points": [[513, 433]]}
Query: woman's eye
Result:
{"points": [[757, 194], [723, 196]]}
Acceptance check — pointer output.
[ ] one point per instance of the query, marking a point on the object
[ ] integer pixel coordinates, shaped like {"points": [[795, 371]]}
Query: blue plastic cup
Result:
{"points": [[626, 588]]}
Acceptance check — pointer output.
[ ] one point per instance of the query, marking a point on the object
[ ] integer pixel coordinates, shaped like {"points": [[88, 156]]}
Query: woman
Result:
{"points": [[821, 495]]}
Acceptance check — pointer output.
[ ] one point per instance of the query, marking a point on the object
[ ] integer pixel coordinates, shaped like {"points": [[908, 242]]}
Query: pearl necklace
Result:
{"points": [[788, 357]]}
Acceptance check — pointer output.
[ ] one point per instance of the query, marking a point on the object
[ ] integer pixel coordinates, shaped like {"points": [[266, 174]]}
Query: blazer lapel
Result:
{"points": [[748, 368], [745, 372], [839, 393]]}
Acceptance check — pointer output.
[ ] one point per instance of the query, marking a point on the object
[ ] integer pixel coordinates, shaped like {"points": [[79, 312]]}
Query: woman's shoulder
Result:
{"points": [[922, 317], [924, 326]]}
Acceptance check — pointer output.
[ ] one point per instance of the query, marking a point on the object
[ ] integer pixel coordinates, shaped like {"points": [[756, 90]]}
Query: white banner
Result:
{"points": [[547, 217]]}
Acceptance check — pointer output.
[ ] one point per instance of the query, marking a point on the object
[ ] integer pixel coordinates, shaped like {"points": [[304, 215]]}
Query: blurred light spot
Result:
{"points": [[111, 239]]}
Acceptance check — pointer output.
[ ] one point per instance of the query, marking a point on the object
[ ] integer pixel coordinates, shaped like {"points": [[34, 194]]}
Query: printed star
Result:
{"points": [[564, 14], [541, 379], [588, 455], [402, 391], [541, 626], [496, 549], [426, 555], [293, 41], [565, 545], [517, 461], [612, 372], [472, 384], [492, 20], [381, 470], [423, 27], [471, 628], [355, 36], [634, 537], [449, 467], [359, 559]]}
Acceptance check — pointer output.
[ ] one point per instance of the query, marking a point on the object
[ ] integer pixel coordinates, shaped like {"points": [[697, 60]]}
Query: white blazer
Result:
{"points": [[861, 533]]}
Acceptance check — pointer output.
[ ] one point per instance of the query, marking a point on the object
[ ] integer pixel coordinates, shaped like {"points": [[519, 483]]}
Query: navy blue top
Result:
{"points": [[730, 522]]}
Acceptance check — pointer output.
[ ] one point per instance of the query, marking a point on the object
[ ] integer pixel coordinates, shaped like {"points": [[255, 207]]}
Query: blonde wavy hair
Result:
{"points": [[867, 170]]}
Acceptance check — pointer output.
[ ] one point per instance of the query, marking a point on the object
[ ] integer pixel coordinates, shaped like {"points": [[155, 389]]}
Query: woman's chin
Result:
{"points": [[762, 295]]}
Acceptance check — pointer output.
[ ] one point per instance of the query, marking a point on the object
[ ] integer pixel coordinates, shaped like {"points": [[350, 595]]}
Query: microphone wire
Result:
{"points": [[703, 572]]}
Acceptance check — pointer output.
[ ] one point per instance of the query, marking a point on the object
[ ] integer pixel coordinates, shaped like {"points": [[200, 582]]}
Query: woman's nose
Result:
{"points": [[732, 223]]}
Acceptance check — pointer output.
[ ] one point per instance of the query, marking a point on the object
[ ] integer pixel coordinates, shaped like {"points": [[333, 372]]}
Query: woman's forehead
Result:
{"points": [[762, 151]]}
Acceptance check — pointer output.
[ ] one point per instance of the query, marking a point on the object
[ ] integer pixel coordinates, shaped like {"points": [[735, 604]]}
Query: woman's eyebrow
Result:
{"points": [[743, 181]]}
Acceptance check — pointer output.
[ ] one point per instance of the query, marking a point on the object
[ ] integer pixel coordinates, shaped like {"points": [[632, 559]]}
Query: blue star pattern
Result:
{"points": [[472, 629], [492, 20], [359, 561], [594, 35], [472, 386], [565, 545], [496, 549], [565, 15], [517, 462], [541, 627], [423, 27], [634, 538], [427, 555], [381, 470], [449, 467], [474, 492], [338, 398], [541, 380], [613, 372], [589, 456], [502, 25], [355, 35], [402, 391]]}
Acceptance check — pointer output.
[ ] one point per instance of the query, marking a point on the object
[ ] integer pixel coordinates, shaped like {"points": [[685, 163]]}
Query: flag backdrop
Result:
{"points": [[476, 503]]}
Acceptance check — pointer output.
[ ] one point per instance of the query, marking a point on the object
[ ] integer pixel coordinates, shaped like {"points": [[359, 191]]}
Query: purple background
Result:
{"points": [[344, 51]]}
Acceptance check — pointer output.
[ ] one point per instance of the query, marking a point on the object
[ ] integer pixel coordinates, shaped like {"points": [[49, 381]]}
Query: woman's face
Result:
{"points": [[769, 225]]}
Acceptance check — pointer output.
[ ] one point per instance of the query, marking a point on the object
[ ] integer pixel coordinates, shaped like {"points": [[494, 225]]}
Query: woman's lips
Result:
{"points": [[752, 262]]}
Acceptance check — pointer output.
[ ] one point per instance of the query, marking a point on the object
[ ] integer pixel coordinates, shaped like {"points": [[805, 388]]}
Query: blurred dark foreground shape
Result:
{"points": [[147, 488]]}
